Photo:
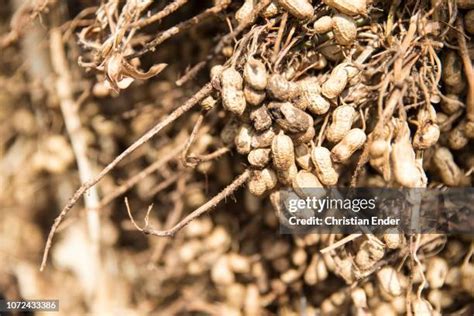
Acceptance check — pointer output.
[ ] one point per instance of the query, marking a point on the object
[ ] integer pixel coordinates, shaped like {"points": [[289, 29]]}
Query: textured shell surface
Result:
{"points": [[349, 7], [344, 28], [255, 73], [282, 151], [300, 9]]}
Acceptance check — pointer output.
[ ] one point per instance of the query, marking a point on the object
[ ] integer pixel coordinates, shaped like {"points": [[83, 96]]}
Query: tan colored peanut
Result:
{"points": [[406, 169], [323, 25], [389, 281], [349, 7], [259, 157], [300, 9], [344, 29], [353, 141], [280, 88], [303, 157], [336, 83], [255, 74], [321, 157], [283, 152], [426, 136], [342, 119], [449, 171], [243, 139], [457, 138], [254, 97], [263, 139], [245, 11], [304, 184]]}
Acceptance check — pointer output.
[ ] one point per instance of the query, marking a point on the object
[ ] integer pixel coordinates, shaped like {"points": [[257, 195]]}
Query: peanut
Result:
{"points": [[342, 119], [349, 7], [290, 118], [259, 157], [426, 136], [252, 96], [323, 25], [243, 139], [406, 169], [449, 171], [300, 9], [245, 11], [344, 29], [336, 83], [282, 152], [352, 142], [261, 118], [280, 88], [255, 74], [311, 98], [305, 183], [303, 157], [321, 157]]}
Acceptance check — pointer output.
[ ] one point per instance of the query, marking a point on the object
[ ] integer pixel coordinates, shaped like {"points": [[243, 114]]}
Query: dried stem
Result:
{"points": [[69, 108], [185, 25], [468, 70], [201, 94], [170, 8], [240, 180]]}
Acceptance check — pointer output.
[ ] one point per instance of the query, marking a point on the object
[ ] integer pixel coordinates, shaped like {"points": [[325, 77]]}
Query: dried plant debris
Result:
{"points": [[182, 105]]}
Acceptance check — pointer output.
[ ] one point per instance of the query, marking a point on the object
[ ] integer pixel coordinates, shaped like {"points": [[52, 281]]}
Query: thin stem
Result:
{"points": [[231, 188], [201, 94]]}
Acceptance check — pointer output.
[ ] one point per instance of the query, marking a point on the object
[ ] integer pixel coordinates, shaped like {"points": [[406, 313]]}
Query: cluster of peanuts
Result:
{"points": [[274, 125]]}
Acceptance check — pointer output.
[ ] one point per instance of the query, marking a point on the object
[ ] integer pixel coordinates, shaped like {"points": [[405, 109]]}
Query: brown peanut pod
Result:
{"points": [[259, 157], [421, 307], [467, 275], [344, 29], [233, 100], [300, 9], [436, 272], [283, 152], [449, 171], [280, 88], [368, 254], [230, 131], [270, 178], [393, 239], [243, 139], [457, 138], [305, 183], [255, 74], [304, 137], [336, 83], [353, 141], [323, 25], [270, 11], [452, 73], [426, 136], [256, 183], [254, 97], [231, 78], [286, 176], [303, 157], [451, 103], [263, 139], [321, 157], [389, 281], [469, 129], [290, 118], [406, 169], [342, 119], [245, 11], [310, 97], [261, 119], [349, 7], [469, 21]]}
